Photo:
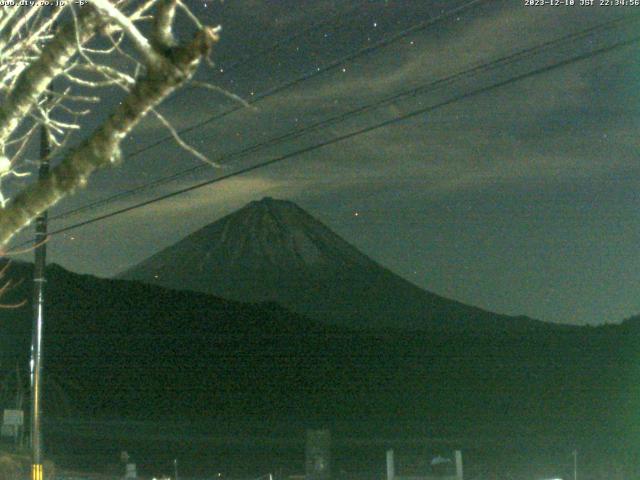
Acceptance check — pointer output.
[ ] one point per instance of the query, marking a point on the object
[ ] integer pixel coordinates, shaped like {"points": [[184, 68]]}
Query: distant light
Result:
{"points": [[344, 70], [355, 214], [375, 24]]}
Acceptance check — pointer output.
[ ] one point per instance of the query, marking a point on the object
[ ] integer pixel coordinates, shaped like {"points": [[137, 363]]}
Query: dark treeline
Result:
{"points": [[116, 349]]}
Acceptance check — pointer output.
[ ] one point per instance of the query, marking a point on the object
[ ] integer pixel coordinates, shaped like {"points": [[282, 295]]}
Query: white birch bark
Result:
{"points": [[165, 67]]}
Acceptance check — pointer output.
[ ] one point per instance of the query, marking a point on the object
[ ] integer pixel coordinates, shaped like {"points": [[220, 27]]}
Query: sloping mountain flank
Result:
{"points": [[273, 250]]}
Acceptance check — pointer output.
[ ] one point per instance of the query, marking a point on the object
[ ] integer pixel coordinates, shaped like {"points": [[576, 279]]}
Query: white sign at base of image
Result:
{"points": [[13, 417], [130, 471]]}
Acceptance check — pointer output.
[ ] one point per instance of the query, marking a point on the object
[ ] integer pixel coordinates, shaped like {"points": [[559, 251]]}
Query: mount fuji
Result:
{"points": [[274, 251]]}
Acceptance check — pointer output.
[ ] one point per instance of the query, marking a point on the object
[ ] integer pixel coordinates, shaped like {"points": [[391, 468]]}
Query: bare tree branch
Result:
{"points": [[140, 42], [147, 67], [184, 145], [36, 78], [226, 93], [102, 148], [163, 24]]}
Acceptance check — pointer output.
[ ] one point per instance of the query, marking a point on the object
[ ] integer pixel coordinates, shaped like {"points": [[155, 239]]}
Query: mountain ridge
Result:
{"points": [[144, 352], [273, 250]]}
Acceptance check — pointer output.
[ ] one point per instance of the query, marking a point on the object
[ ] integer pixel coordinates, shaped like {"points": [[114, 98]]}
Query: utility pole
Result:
{"points": [[575, 465], [38, 317], [175, 468], [19, 406]]}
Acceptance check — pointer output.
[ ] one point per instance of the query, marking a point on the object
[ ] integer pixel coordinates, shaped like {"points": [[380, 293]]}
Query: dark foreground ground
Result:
{"points": [[246, 452]]}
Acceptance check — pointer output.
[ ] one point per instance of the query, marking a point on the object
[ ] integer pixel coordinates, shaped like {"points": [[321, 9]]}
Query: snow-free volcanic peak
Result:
{"points": [[278, 234], [273, 250]]}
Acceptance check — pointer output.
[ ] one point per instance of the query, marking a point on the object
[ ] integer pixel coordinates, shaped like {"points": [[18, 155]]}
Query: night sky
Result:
{"points": [[520, 200]]}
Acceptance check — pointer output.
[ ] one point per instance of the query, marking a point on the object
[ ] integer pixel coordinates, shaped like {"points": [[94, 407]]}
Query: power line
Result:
{"points": [[320, 70], [248, 58], [270, 50], [355, 133], [380, 44], [517, 56]]}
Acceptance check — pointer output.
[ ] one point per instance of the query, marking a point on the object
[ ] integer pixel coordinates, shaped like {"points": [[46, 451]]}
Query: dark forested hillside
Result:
{"points": [[118, 348]]}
